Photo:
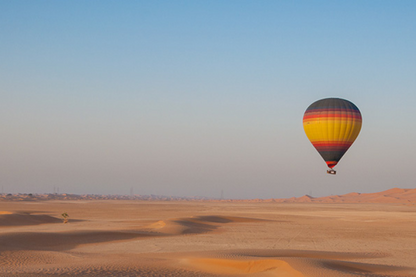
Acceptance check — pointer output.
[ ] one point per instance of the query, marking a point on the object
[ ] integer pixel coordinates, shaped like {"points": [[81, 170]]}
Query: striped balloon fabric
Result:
{"points": [[332, 125]]}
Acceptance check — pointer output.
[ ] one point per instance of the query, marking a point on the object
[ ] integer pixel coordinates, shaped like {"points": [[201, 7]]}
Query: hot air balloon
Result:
{"points": [[332, 125]]}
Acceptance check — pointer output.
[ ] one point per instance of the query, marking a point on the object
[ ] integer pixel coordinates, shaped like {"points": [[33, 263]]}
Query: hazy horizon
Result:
{"points": [[191, 98], [394, 195]]}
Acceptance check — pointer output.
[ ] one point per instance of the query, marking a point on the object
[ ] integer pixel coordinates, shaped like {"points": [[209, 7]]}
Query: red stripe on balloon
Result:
{"points": [[331, 164]]}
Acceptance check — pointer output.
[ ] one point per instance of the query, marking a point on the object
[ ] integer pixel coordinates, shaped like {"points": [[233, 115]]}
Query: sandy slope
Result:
{"points": [[133, 238], [24, 218]]}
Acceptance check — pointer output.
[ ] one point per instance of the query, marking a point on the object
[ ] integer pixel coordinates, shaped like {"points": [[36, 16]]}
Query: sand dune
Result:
{"points": [[360, 268], [322, 260], [22, 218], [69, 240], [242, 262], [5, 212], [59, 241], [181, 226], [395, 195], [195, 225], [209, 239], [262, 253], [267, 267]]}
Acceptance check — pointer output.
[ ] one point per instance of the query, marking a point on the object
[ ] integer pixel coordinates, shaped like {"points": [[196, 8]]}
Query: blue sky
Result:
{"points": [[194, 97]]}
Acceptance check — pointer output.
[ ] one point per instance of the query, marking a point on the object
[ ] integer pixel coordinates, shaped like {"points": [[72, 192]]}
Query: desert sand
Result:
{"points": [[206, 238]]}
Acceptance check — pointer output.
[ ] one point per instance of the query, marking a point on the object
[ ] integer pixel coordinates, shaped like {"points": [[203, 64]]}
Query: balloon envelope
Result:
{"points": [[332, 125]]}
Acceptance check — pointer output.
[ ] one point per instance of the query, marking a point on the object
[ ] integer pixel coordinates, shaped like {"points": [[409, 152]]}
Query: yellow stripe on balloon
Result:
{"points": [[332, 130]]}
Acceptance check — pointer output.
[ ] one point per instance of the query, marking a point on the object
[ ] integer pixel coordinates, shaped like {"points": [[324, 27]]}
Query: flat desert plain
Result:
{"points": [[206, 238]]}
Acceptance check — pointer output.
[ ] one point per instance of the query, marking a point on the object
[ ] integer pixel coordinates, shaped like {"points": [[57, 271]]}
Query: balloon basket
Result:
{"points": [[331, 171]]}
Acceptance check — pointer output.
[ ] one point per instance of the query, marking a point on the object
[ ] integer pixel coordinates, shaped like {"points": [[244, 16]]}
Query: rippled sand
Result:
{"points": [[144, 238]]}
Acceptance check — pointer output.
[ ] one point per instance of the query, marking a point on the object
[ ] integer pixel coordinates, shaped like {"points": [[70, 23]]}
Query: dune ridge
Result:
{"points": [[229, 266], [290, 263], [25, 218], [195, 225], [71, 239], [395, 195]]}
